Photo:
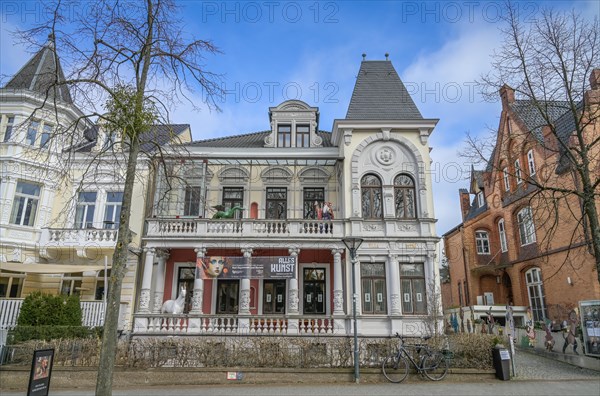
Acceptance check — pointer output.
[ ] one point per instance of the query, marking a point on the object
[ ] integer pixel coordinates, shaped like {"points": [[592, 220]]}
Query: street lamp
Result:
{"points": [[353, 244]]}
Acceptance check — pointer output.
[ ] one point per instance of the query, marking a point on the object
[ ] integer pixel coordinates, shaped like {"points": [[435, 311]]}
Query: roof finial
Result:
{"points": [[387, 56], [364, 56], [51, 38]]}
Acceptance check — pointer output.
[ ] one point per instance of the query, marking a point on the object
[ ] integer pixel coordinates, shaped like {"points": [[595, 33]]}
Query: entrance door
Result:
{"points": [[274, 297], [227, 296], [314, 291], [185, 279]]}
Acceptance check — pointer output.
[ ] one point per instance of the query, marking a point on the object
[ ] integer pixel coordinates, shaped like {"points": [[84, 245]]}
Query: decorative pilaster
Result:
{"points": [[245, 287], [159, 280], [394, 278], [144, 306], [338, 291], [293, 284], [198, 285]]}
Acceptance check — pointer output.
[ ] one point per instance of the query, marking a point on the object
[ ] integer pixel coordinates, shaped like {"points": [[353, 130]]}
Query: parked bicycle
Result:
{"points": [[426, 360]]}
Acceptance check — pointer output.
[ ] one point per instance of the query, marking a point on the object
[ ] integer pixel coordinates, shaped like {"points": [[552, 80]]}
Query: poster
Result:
{"points": [[223, 267], [589, 311], [41, 371]]}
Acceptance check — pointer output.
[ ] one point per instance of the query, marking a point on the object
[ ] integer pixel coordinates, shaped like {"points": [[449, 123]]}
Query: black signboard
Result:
{"points": [[246, 267], [41, 372]]}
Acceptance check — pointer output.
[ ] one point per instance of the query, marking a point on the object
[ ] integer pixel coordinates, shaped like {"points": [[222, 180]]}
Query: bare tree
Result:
{"points": [[547, 63], [135, 58]]}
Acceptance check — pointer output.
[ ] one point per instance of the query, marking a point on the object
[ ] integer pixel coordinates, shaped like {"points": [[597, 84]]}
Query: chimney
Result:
{"points": [[465, 202], [550, 142], [593, 95], [595, 79], [507, 94]]}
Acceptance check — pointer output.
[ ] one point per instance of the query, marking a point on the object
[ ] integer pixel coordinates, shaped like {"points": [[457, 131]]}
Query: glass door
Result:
{"points": [[314, 291], [274, 297]]}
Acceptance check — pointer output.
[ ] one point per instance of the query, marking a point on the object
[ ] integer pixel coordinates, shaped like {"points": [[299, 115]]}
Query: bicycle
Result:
{"points": [[430, 362]]}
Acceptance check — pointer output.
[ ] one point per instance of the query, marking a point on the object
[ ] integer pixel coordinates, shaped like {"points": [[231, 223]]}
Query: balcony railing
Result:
{"points": [[247, 228], [53, 239], [218, 324]]}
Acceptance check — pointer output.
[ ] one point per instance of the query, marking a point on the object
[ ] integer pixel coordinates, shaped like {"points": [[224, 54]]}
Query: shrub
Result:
{"points": [[50, 332], [472, 350]]}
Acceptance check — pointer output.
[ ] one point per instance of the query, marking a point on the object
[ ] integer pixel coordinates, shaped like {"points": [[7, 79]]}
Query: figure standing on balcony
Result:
{"points": [[318, 210], [327, 211]]}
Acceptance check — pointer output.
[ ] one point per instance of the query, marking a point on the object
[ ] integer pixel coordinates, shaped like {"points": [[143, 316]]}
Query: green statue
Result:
{"points": [[225, 214]]}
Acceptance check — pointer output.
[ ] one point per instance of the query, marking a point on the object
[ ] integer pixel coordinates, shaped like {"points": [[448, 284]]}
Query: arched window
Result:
{"points": [[372, 202], [531, 162], [404, 197], [535, 290], [482, 241], [526, 226], [502, 234]]}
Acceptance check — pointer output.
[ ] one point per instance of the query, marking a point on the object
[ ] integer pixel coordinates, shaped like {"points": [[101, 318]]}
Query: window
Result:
{"points": [[526, 226], [11, 284], [109, 141], [112, 211], [284, 136], [276, 203], [191, 205], [32, 132], [46, 132], [371, 197], [404, 193], [535, 290], [460, 295], [502, 234], [506, 179], [185, 279], [233, 196], [518, 171], [100, 286], [530, 163], [9, 128], [480, 199], [302, 136], [227, 296], [313, 199], [274, 296], [25, 204], [482, 242], [412, 284], [71, 284], [314, 291], [373, 288], [86, 204]]}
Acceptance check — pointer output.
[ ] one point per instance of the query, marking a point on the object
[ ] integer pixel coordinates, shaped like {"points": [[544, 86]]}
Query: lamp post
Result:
{"points": [[353, 244]]}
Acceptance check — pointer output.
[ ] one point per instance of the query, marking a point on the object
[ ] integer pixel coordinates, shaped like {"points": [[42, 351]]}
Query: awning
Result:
{"points": [[50, 268]]}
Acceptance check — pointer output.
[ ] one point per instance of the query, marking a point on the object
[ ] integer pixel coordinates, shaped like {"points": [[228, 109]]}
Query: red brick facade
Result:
{"points": [[543, 259]]}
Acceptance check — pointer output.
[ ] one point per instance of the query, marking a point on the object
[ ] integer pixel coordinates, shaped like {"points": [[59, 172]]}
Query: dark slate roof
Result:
{"points": [[379, 94], [158, 135], [475, 210], [530, 115], [250, 140], [39, 75]]}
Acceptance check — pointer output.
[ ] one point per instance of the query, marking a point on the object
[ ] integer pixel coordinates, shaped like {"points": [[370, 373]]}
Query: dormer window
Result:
{"points": [[284, 135], [302, 136], [480, 199]]}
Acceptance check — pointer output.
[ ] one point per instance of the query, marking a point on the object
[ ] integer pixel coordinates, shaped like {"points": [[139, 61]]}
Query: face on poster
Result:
{"points": [[213, 267]]}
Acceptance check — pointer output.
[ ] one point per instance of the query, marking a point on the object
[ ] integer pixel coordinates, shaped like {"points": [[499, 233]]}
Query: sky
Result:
{"points": [[272, 51]]}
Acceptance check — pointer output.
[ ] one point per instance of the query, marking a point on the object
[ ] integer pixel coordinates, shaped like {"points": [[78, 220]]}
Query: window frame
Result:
{"points": [[75, 280], [518, 174], [284, 137], [373, 282], [373, 191], [506, 178], [413, 292], [274, 200], [310, 197], [45, 136], [83, 223], [502, 236], [526, 226], [14, 279], [535, 293], [406, 192], [482, 242], [226, 284], [8, 128], [115, 219], [302, 137], [531, 162], [480, 199], [32, 132], [29, 206]]}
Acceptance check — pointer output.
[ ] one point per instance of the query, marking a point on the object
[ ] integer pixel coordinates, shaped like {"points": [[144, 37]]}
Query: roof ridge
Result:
{"points": [[230, 137]]}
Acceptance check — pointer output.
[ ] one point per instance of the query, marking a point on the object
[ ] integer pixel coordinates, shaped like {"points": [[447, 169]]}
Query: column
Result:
{"points": [[159, 280], [198, 284], [245, 287], [394, 282], [144, 306], [293, 285], [338, 288]]}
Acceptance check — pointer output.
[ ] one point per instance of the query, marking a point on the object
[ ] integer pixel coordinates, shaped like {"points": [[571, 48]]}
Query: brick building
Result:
{"points": [[518, 243]]}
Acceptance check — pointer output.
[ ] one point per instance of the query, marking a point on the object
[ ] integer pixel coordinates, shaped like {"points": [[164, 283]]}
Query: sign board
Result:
{"points": [[235, 375], [589, 312], [41, 372], [221, 267], [504, 355]]}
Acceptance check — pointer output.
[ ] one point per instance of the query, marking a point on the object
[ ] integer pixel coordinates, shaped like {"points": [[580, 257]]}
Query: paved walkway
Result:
{"points": [[531, 366]]}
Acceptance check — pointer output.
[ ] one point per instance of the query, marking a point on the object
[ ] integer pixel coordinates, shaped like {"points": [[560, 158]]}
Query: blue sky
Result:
{"points": [[308, 50]]}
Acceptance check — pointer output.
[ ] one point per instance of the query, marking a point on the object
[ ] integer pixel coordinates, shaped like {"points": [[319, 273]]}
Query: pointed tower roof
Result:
{"points": [[379, 94], [39, 73]]}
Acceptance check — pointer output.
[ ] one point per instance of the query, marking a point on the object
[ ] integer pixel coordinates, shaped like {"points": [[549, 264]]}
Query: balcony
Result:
{"points": [[87, 243], [244, 228]]}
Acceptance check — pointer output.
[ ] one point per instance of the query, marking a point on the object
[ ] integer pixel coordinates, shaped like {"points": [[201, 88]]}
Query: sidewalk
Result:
{"points": [[539, 365]]}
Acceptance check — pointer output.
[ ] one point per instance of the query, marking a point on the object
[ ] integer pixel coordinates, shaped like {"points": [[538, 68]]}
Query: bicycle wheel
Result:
{"points": [[395, 368], [435, 366]]}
